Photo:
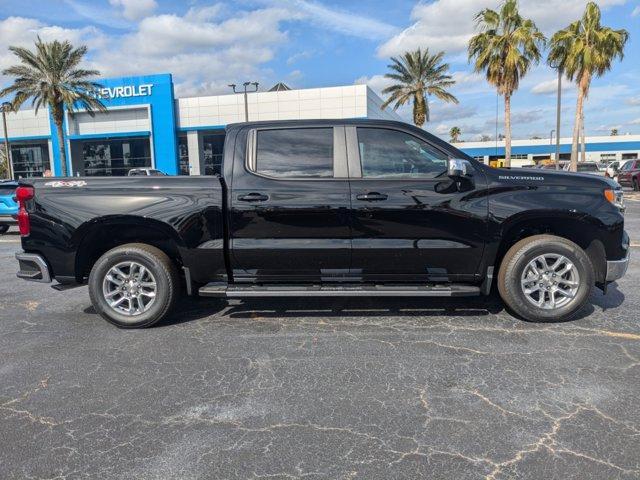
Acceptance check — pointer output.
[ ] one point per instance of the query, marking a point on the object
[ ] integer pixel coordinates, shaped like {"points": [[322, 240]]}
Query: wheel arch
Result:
{"points": [[580, 229], [101, 235]]}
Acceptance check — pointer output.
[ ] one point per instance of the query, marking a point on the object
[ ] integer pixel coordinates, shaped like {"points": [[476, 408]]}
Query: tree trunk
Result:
{"points": [[58, 120], [583, 87], [576, 131], [419, 110], [583, 150], [507, 130]]}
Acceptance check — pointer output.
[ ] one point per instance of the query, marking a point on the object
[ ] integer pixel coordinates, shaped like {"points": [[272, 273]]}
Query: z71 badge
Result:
{"points": [[66, 183]]}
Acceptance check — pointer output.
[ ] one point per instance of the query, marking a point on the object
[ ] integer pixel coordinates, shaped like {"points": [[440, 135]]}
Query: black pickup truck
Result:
{"points": [[327, 208]]}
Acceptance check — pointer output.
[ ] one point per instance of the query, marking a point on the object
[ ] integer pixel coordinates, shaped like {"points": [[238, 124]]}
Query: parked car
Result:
{"points": [[8, 205], [149, 172], [613, 168], [327, 208], [552, 166], [591, 168], [629, 174]]}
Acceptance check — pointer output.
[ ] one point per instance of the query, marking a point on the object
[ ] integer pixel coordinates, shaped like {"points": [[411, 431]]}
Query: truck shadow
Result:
{"points": [[192, 309]]}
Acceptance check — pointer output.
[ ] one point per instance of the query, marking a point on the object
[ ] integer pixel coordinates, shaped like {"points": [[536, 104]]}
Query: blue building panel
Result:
{"points": [[153, 90], [157, 92]]}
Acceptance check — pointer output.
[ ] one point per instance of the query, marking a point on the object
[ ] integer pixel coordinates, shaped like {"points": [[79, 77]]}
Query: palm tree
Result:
{"points": [[50, 77], [584, 50], [505, 49], [614, 132], [455, 133], [419, 75]]}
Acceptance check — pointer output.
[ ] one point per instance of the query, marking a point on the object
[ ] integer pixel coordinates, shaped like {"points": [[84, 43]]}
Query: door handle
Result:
{"points": [[372, 197], [253, 197]]}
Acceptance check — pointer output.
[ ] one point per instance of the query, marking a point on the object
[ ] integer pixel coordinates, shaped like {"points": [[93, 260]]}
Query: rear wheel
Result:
{"points": [[4, 229], [545, 278], [134, 285], [636, 187]]}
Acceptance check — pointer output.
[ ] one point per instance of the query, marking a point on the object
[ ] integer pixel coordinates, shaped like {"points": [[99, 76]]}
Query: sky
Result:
{"points": [[207, 45]]}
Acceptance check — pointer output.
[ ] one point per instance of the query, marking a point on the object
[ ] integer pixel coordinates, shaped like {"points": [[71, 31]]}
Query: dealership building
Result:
{"points": [[528, 152], [147, 126]]}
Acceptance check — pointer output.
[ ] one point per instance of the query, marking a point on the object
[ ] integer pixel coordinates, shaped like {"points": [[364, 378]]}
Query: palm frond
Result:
{"points": [[418, 74]]}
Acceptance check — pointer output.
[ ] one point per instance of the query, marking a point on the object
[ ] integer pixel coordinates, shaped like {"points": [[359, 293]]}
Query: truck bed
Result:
{"points": [[75, 219]]}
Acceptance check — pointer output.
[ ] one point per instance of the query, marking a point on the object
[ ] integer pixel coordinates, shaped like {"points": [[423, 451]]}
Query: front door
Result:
{"points": [[290, 206], [411, 222]]}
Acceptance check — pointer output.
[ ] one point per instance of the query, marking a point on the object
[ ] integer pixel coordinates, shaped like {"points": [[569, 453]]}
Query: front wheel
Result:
{"points": [[134, 285], [636, 187], [545, 278], [4, 229]]}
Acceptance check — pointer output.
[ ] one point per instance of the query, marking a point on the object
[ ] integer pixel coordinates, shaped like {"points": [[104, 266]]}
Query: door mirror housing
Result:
{"points": [[458, 168]]}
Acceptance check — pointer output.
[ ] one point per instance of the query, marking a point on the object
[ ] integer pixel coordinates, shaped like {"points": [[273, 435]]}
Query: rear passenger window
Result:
{"points": [[295, 153], [394, 154]]}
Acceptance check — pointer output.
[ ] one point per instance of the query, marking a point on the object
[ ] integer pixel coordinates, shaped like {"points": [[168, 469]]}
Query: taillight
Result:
{"points": [[23, 195]]}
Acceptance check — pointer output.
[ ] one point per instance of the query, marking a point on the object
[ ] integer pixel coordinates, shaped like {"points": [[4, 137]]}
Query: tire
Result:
{"points": [[516, 263], [634, 182], [153, 267], [4, 229]]}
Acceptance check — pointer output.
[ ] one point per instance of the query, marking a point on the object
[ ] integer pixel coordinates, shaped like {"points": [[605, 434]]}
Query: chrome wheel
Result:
{"points": [[550, 281], [129, 288]]}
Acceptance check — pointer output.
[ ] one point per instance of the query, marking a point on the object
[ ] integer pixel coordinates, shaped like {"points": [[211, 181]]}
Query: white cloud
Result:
{"points": [[203, 52], [22, 32], [550, 86], [442, 129], [135, 9], [449, 24], [636, 11], [339, 20], [635, 122], [377, 83]]}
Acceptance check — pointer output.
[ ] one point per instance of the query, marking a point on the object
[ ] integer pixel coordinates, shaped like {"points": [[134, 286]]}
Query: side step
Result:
{"points": [[349, 290]]}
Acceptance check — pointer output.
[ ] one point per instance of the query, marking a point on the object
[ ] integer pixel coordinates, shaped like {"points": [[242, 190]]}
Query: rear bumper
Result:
{"points": [[617, 268], [8, 219], [33, 268]]}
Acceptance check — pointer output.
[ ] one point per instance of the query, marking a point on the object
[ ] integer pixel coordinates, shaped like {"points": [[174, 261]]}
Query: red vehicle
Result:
{"points": [[629, 175]]}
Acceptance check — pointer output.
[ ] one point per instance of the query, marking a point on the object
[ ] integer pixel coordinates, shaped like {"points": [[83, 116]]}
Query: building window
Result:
{"points": [[629, 156], [479, 158], [29, 160], [115, 157], [520, 156], [183, 155], [213, 146], [607, 156]]}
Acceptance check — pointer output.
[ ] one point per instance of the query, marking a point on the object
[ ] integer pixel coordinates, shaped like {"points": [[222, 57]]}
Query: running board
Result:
{"points": [[243, 291]]}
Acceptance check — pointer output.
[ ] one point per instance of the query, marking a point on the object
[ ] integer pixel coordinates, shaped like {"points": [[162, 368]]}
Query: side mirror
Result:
{"points": [[458, 168]]}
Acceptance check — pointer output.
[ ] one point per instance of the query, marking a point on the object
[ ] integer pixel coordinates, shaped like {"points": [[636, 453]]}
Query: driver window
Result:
{"points": [[394, 154]]}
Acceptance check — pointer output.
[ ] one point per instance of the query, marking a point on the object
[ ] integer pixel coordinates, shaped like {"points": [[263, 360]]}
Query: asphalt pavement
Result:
{"points": [[319, 389]]}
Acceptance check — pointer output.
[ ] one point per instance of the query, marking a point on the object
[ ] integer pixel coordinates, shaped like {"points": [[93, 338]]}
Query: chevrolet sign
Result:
{"points": [[125, 91]]}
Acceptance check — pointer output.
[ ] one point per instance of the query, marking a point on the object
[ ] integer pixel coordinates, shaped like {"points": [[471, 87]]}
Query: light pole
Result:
{"points": [[6, 107], [558, 107], [246, 99]]}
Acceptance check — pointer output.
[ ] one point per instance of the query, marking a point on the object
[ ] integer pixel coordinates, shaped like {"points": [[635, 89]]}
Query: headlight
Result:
{"points": [[616, 197]]}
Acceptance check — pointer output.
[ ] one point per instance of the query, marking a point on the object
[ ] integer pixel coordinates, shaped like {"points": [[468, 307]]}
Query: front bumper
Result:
{"points": [[33, 268], [617, 268], [8, 219]]}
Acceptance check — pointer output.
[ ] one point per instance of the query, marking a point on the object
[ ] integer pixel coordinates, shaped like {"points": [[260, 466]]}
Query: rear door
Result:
{"points": [[290, 206], [411, 222]]}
